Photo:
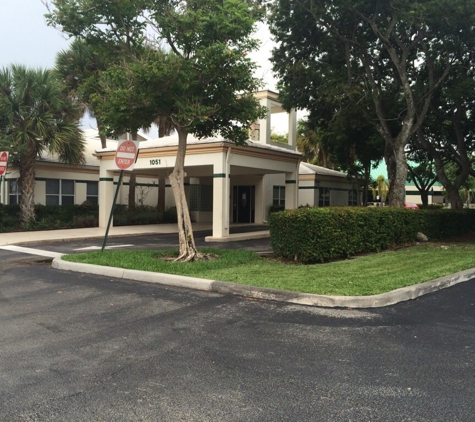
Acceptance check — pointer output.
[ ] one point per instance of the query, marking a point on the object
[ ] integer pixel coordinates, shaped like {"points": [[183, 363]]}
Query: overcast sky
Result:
{"points": [[26, 39]]}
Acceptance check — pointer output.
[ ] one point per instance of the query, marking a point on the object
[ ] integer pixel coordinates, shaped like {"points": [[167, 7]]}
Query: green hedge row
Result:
{"points": [[310, 235], [78, 216]]}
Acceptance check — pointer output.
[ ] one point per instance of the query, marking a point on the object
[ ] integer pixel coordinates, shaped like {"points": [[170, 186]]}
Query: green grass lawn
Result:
{"points": [[364, 275]]}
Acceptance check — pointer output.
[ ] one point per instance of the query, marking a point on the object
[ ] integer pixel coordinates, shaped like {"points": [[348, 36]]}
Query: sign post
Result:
{"points": [[3, 162], [125, 158], [126, 155], [3, 170]]}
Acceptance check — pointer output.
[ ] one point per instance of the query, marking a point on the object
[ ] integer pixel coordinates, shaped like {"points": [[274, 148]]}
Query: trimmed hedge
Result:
{"points": [[310, 235], [50, 217]]}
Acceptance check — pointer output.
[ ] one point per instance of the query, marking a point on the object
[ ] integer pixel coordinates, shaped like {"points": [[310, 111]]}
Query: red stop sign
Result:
{"points": [[3, 162], [126, 154]]}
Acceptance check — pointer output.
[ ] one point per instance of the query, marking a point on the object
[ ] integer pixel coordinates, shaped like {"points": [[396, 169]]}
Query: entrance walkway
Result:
{"points": [[239, 232]]}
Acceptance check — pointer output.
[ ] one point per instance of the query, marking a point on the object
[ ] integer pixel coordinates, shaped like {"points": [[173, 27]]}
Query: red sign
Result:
{"points": [[3, 162], [126, 154]]}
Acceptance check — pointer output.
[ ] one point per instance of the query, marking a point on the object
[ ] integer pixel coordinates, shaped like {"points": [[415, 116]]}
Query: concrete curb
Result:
{"points": [[373, 301]]}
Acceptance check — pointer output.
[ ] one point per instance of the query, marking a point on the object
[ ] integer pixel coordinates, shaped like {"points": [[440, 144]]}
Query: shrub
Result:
{"points": [[170, 215], [143, 214], [311, 235], [276, 208]]}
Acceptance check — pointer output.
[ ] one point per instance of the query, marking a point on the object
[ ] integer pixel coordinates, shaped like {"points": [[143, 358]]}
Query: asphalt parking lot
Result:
{"points": [[78, 347]]}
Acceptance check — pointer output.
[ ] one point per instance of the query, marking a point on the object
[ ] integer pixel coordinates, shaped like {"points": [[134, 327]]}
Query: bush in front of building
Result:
{"points": [[143, 214], [310, 235], [53, 217]]}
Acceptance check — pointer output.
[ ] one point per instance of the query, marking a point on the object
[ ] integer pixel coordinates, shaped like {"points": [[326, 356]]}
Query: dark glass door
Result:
{"points": [[243, 204]]}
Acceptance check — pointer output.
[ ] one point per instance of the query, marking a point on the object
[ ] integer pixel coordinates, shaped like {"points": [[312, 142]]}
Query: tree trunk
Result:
{"points": [[132, 186], [27, 186], [100, 128], [358, 189], [365, 184], [424, 198], [397, 174], [453, 195], [188, 251], [165, 127], [132, 183]]}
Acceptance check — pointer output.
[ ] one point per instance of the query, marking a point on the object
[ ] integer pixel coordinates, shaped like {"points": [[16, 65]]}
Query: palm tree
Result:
{"points": [[37, 117], [310, 144], [80, 68], [380, 188]]}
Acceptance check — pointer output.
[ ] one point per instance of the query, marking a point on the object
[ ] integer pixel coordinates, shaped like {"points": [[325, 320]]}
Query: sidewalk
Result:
{"points": [[91, 232]]}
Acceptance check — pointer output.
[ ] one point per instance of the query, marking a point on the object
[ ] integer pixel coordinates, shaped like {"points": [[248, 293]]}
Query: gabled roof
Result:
{"points": [[306, 168], [171, 141], [93, 142]]}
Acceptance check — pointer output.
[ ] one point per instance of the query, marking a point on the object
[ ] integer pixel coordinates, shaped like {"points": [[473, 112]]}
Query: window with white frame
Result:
{"points": [[324, 197], [278, 197], [92, 192], [59, 192], [14, 192]]}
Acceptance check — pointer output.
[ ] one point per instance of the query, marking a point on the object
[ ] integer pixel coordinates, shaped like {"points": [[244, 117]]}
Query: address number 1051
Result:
{"points": [[155, 162]]}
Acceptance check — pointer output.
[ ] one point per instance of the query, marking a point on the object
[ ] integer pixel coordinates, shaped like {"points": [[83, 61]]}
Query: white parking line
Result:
{"points": [[95, 248], [31, 251]]}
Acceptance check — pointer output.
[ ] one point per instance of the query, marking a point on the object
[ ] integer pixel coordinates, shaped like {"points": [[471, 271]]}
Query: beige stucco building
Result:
{"points": [[224, 183]]}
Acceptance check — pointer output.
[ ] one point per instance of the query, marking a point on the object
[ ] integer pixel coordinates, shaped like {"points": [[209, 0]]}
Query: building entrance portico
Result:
{"points": [[224, 183]]}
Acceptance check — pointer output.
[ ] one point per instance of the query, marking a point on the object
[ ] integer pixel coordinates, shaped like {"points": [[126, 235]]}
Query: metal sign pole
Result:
{"points": [[112, 210]]}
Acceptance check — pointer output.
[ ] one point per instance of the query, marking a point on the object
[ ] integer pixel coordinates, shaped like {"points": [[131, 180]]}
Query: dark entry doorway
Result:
{"points": [[243, 204]]}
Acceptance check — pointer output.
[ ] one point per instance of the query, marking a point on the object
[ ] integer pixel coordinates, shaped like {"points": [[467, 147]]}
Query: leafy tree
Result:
{"points": [[422, 174], [38, 117], [351, 142], [467, 188], [280, 139], [80, 68], [386, 58], [310, 144], [203, 83], [449, 133]]}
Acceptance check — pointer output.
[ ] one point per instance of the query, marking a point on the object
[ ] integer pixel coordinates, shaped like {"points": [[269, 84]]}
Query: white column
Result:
{"points": [[260, 208], [265, 124], [221, 188], [291, 189], [106, 196], [3, 196], [292, 137]]}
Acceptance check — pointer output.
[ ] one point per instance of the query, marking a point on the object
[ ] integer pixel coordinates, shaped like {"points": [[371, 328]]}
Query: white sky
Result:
{"points": [[26, 39]]}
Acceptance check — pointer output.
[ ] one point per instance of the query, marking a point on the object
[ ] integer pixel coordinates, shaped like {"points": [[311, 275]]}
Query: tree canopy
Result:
{"points": [[385, 58], [194, 71]]}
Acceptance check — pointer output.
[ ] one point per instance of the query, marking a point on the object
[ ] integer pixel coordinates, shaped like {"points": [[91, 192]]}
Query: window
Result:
{"points": [[278, 197], [59, 192], [92, 192], [14, 191], [352, 198], [324, 197], [201, 198]]}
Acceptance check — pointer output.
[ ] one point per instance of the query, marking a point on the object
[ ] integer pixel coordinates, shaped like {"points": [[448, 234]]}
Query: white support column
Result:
{"points": [[106, 196], [260, 209], [3, 196], [292, 137], [291, 189], [221, 188], [265, 123]]}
